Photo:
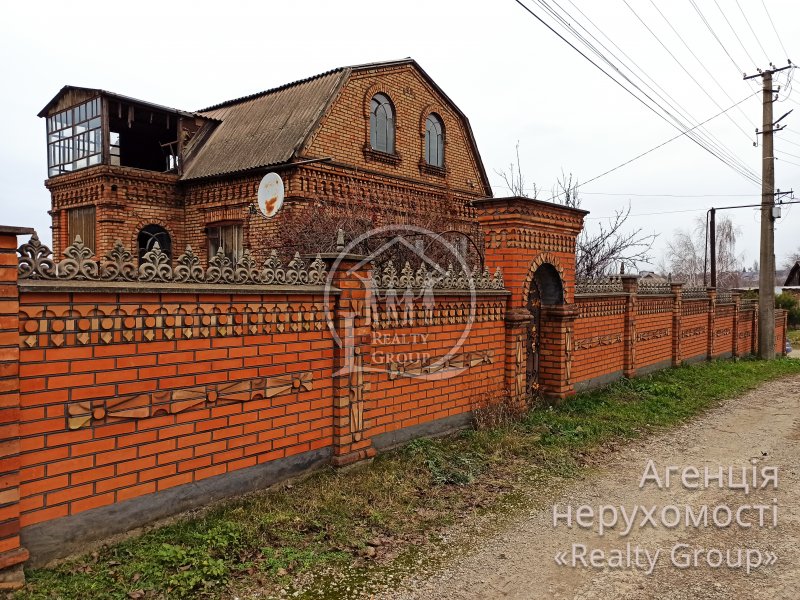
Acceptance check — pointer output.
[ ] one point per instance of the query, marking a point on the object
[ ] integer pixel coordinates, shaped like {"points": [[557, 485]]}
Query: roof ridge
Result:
{"points": [[271, 90], [370, 65]]}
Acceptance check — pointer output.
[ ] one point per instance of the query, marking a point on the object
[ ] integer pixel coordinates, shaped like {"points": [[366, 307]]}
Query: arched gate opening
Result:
{"points": [[546, 289]]}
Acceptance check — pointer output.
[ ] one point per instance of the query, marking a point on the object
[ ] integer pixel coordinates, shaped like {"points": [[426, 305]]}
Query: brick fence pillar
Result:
{"points": [[518, 321], [712, 320], [12, 555], [630, 285], [754, 329], [351, 382], [736, 298], [555, 349], [677, 301]]}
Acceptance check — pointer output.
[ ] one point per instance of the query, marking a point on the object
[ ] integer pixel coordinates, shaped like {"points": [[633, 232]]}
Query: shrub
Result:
{"points": [[791, 304]]}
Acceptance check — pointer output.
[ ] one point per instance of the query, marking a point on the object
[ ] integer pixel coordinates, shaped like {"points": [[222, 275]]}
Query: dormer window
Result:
{"points": [[434, 141], [381, 124]]}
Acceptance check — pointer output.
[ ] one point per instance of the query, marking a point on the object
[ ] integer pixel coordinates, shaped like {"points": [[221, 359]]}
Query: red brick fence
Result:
{"points": [[131, 392]]}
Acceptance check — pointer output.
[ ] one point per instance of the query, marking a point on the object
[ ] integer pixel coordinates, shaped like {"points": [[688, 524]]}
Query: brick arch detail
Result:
{"points": [[541, 259], [379, 88]]}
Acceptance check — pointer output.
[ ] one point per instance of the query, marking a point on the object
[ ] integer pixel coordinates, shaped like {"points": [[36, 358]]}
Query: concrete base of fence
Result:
{"points": [[61, 537], [659, 366], [391, 439], [597, 382], [695, 359]]}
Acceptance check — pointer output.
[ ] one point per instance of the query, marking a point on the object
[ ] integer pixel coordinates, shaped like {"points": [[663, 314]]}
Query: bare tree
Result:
{"points": [[686, 254], [793, 258], [515, 180], [609, 246]]}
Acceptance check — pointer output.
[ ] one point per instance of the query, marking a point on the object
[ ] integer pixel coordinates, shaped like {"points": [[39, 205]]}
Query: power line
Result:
{"points": [[669, 195], [672, 103], [722, 12], [788, 162], [777, 35], [702, 64], [685, 70], [742, 171], [746, 20], [627, 162], [650, 214], [716, 37]]}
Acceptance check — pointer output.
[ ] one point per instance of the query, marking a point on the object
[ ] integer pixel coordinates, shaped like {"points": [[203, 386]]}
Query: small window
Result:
{"points": [[229, 237], [81, 221], [381, 124], [148, 237], [434, 141]]}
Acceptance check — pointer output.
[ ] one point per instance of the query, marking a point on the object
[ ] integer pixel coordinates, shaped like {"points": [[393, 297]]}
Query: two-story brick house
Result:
{"points": [[383, 137]]}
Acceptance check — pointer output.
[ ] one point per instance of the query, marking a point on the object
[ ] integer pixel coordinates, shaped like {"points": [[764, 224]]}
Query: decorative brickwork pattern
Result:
{"points": [[155, 267]]}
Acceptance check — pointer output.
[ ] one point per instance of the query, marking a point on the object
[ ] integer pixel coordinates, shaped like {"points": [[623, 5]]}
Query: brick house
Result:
{"points": [[383, 137]]}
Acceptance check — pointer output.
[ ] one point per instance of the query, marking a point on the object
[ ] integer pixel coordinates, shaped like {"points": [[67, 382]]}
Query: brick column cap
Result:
{"points": [[11, 230]]}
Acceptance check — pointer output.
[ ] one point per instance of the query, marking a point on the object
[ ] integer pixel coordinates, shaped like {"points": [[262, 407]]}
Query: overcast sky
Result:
{"points": [[514, 79]]}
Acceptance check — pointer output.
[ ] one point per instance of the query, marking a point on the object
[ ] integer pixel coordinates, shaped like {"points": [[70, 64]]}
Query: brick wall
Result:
{"points": [[130, 392], [669, 329], [427, 368], [125, 394]]}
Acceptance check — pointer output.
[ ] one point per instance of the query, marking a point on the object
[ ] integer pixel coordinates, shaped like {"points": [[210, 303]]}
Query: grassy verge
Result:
{"points": [[794, 337], [373, 515]]}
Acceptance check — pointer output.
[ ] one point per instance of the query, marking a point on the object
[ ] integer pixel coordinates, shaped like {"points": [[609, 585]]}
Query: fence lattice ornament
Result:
{"points": [[654, 287], [386, 276], [724, 297], [695, 292], [603, 285], [119, 265]]}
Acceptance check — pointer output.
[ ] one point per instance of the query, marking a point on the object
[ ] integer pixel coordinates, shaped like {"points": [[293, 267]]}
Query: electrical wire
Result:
{"points": [[742, 171], [668, 195], [722, 12], [664, 95], [746, 20], [654, 148], [788, 162], [685, 70], [702, 64], [777, 35]]}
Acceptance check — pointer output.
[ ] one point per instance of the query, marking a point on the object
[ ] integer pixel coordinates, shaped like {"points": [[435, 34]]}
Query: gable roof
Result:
{"points": [[269, 128], [794, 275], [262, 129]]}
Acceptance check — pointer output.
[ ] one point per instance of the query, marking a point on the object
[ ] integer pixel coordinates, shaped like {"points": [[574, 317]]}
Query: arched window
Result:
{"points": [[434, 141], [381, 124], [149, 235]]}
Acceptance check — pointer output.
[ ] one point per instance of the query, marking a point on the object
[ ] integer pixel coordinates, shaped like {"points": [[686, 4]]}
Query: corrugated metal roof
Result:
{"points": [[262, 129]]}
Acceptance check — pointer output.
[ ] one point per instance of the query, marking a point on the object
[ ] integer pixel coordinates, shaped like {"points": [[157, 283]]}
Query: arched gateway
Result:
{"points": [[534, 244], [546, 289]]}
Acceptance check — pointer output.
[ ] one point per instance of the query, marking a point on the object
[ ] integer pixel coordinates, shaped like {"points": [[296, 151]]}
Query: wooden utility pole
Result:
{"points": [[766, 279]]}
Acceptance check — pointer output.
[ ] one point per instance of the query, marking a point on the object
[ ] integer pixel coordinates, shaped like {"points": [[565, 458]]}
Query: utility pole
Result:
{"points": [[712, 231], [766, 276], [766, 279]]}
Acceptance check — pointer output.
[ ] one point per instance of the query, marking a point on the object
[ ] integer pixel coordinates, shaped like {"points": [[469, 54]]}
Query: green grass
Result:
{"points": [[372, 515], [794, 338]]}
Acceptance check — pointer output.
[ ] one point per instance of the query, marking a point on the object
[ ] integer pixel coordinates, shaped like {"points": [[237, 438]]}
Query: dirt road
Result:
{"points": [[761, 428]]}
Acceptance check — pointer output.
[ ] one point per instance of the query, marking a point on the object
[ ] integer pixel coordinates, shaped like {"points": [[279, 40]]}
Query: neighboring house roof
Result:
{"points": [[269, 128], [794, 275]]}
